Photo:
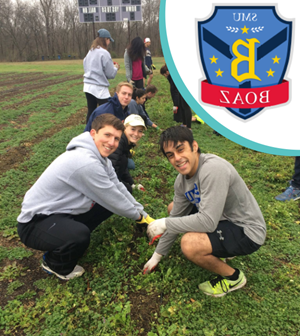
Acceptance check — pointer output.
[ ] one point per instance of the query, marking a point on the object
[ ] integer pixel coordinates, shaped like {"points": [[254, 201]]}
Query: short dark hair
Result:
{"points": [[174, 135], [138, 93], [107, 119], [163, 69], [151, 88]]}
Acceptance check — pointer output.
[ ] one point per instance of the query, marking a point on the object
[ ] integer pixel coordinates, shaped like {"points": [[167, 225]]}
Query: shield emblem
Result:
{"points": [[245, 51]]}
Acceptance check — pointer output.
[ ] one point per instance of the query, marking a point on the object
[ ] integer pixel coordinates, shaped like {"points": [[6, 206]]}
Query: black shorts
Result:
{"points": [[229, 240]]}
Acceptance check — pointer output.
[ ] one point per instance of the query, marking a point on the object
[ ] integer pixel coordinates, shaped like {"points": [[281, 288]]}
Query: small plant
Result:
{"points": [[12, 271], [13, 286]]}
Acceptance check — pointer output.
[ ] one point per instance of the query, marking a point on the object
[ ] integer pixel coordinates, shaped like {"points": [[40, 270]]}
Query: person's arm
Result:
{"points": [[214, 184], [108, 67], [128, 66], [132, 108], [103, 187], [145, 116]]}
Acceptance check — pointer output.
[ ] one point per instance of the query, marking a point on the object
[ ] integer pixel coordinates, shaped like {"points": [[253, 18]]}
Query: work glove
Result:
{"points": [[139, 187], [157, 128], [153, 66], [175, 109], [142, 223], [132, 152], [149, 219], [152, 263], [156, 229]]}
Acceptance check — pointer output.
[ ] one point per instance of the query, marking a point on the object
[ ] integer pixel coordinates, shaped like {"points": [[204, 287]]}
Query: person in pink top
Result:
{"points": [[134, 59]]}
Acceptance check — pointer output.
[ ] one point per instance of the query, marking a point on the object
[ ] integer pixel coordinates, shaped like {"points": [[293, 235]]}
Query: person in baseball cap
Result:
{"points": [[105, 33], [134, 130], [148, 59]]}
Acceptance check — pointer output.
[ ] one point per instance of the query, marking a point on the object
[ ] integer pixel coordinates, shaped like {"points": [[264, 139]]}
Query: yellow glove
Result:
{"points": [[141, 224], [132, 151], [153, 66], [149, 219]]}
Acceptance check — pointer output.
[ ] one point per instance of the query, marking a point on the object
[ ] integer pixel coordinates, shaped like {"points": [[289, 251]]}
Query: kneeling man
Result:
{"points": [[77, 192], [213, 208]]}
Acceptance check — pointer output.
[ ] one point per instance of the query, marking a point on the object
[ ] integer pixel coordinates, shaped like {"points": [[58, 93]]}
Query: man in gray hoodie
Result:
{"points": [[77, 192], [213, 208]]}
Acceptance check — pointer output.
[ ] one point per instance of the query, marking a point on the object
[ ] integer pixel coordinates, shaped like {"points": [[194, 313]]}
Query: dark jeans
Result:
{"points": [[186, 112], [92, 102], [65, 237], [139, 83], [296, 176]]}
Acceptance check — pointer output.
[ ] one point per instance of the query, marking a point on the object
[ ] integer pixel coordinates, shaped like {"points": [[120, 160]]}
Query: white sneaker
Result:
{"points": [[77, 272]]}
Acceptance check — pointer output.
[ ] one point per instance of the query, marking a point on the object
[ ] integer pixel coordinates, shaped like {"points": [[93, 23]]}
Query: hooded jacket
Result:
{"points": [[119, 159], [75, 181], [113, 106]]}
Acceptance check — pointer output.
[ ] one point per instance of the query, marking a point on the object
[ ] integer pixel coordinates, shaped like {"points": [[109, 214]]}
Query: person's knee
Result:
{"points": [[194, 243], [170, 207], [81, 238]]}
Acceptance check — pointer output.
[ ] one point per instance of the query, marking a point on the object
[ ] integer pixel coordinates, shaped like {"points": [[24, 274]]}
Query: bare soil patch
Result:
{"points": [[16, 155], [17, 90]]}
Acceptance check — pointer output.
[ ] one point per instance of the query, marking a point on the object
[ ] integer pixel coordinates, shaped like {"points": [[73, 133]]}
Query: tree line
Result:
{"points": [[32, 30]]}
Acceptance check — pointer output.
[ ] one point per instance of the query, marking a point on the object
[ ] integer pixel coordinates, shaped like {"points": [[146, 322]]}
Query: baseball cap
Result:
{"points": [[147, 40], [105, 33], [135, 120]]}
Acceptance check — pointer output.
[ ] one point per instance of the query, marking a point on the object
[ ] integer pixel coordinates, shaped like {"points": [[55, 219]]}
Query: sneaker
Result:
{"points": [[199, 120], [290, 193], [220, 286], [77, 271]]}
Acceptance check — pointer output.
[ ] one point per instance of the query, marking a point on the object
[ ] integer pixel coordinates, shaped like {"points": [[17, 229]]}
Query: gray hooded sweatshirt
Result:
{"points": [[75, 181], [98, 67]]}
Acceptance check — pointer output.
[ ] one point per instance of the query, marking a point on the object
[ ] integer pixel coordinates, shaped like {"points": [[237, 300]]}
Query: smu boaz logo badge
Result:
{"points": [[245, 51]]}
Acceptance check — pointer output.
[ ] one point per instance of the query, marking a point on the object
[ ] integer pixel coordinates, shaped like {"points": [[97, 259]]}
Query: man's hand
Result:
{"points": [[152, 263], [139, 187], [156, 229]]}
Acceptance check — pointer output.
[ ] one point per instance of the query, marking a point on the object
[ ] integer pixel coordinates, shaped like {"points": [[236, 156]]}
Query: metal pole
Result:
{"points": [[128, 25], [94, 29]]}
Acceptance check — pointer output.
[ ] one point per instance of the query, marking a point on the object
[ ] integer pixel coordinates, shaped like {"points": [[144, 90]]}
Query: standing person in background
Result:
{"points": [[293, 191], [134, 59], [181, 109], [98, 68], [148, 59]]}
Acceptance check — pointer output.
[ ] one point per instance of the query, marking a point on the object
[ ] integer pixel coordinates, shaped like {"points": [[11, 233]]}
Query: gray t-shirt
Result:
{"points": [[219, 193]]}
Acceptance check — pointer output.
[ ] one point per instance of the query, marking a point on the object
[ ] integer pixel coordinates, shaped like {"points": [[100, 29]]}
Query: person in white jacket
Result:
{"points": [[98, 69], [77, 192]]}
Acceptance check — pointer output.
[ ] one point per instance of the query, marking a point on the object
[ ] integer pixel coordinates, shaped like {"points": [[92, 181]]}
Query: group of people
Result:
{"points": [[212, 206]]}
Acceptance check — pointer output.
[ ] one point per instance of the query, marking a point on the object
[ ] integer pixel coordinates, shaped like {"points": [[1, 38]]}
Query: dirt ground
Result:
{"points": [[144, 307]]}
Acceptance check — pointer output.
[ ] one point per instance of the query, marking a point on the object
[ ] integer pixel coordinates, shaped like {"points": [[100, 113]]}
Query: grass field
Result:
{"points": [[42, 108]]}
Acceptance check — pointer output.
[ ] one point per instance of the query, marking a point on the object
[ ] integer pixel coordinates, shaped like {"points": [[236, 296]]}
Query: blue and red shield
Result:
{"points": [[245, 52]]}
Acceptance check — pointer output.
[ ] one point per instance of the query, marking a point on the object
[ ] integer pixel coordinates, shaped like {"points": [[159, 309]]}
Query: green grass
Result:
{"points": [[114, 297]]}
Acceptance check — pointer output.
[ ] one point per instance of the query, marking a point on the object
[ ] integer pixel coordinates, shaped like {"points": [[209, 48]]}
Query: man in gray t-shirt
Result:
{"points": [[213, 208]]}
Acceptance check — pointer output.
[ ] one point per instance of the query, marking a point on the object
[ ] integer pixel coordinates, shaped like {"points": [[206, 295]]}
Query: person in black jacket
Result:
{"points": [[134, 129], [182, 111]]}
